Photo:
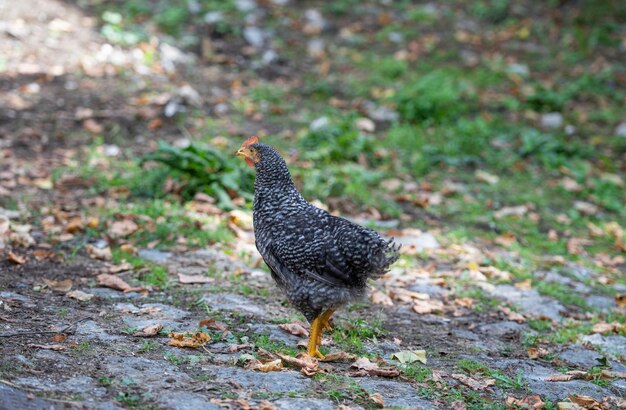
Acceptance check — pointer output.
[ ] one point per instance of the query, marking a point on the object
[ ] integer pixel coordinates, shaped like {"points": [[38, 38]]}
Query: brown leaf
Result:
{"points": [[373, 369], [79, 295], [15, 258], [338, 357], [92, 126], [103, 254], [212, 324], [189, 279], [524, 285], [59, 285], [427, 306], [536, 353], [115, 282], [571, 375], [266, 405], [295, 329], [377, 399], [519, 210], [198, 339], [123, 228], [308, 365], [575, 245], [149, 331], [41, 254], [271, 366], [474, 384], [620, 300], [587, 402], [511, 315], [529, 402], [59, 338], [380, 298], [56, 347], [122, 267], [604, 327], [237, 347], [586, 208]]}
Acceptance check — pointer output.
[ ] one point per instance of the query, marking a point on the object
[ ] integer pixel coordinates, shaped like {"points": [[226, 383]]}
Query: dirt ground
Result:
{"points": [[60, 81]]}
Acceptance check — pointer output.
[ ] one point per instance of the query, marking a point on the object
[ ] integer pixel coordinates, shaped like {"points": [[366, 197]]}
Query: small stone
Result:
{"points": [[519, 69], [245, 6], [552, 120], [365, 125], [213, 17], [154, 255], [316, 47], [380, 113], [620, 130], [269, 57], [319, 123], [254, 36]]}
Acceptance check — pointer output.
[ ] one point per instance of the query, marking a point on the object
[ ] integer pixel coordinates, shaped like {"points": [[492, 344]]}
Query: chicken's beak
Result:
{"points": [[240, 153]]}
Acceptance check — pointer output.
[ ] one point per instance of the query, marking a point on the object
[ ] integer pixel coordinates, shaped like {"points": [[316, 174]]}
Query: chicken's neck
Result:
{"points": [[273, 186]]}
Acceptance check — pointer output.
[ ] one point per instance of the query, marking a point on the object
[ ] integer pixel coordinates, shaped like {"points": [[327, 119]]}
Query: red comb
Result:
{"points": [[250, 141]]}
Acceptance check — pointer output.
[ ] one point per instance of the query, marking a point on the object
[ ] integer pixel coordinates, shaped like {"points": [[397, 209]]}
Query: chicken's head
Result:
{"points": [[248, 152]]}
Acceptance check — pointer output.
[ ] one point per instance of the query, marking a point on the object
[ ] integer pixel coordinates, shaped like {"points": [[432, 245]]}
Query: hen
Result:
{"points": [[321, 261]]}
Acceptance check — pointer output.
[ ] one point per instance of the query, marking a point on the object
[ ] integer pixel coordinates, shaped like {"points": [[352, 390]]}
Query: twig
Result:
{"points": [[35, 332]]}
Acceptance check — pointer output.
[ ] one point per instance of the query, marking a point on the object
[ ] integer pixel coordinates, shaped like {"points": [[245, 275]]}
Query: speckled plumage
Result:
{"points": [[321, 261]]}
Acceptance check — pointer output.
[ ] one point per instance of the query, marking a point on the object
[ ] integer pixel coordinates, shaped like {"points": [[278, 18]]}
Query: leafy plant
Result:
{"points": [[201, 168]]}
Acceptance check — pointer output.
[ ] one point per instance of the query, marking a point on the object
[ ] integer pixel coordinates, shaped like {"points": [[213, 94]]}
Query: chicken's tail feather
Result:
{"points": [[389, 253]]}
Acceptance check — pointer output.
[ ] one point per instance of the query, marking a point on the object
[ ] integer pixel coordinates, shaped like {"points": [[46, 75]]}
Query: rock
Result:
{"points": [[245, 6], [154, 376], [213, 17], [301, 404], [603, 303], [425, 286], [234, 303], [172, 56], [181, 400], [529, 301], [611, 345], [316, 47], [380, 113], [154, 255], [254, 36], [552, 120], [581, 357], [620, 130], [167, 316], [12, 398], [519, 69], [91, 330], [417, 242], [555, 277], [503, 330], [319, 123], [273, 382], [269, 57], [395, 394], [315, 22]]}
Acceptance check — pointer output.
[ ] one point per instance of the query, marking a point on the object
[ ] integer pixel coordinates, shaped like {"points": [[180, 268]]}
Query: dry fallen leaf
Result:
{"points": [[212, 324], [79, 295], [266, 405], [59, 285], [15, 258], [338, 357], [427, 306], [377, 399], [484, 176], [586, 208], [379, 298], [122, 267], [271, 366], [123, 228], [519, 210], [149, 331], [115, 282], [604, 327], [410, 356], [295, 329], [511, 315], [59, 338], [472, 383], [537, 352], [198, 339], [308, 365], [587, 402], [103, 254], [620, 300], [366, 366], [189, 279], [47, 347], [529, 402]]}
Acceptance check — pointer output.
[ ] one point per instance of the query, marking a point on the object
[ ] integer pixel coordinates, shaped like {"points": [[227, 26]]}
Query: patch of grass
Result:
{"points": [[264, 342], [201, 168], [416, 372], [561, 292], [157, 276], [148, 346], [350, 336]]}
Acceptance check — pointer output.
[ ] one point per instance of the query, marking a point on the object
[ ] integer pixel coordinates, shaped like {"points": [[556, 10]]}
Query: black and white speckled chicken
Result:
{"points": [[321, 261]]}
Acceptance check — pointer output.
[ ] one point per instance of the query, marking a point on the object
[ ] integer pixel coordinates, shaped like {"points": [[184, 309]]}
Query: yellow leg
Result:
{"points": [[315, 338], [326, 319], [315, 335]]}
